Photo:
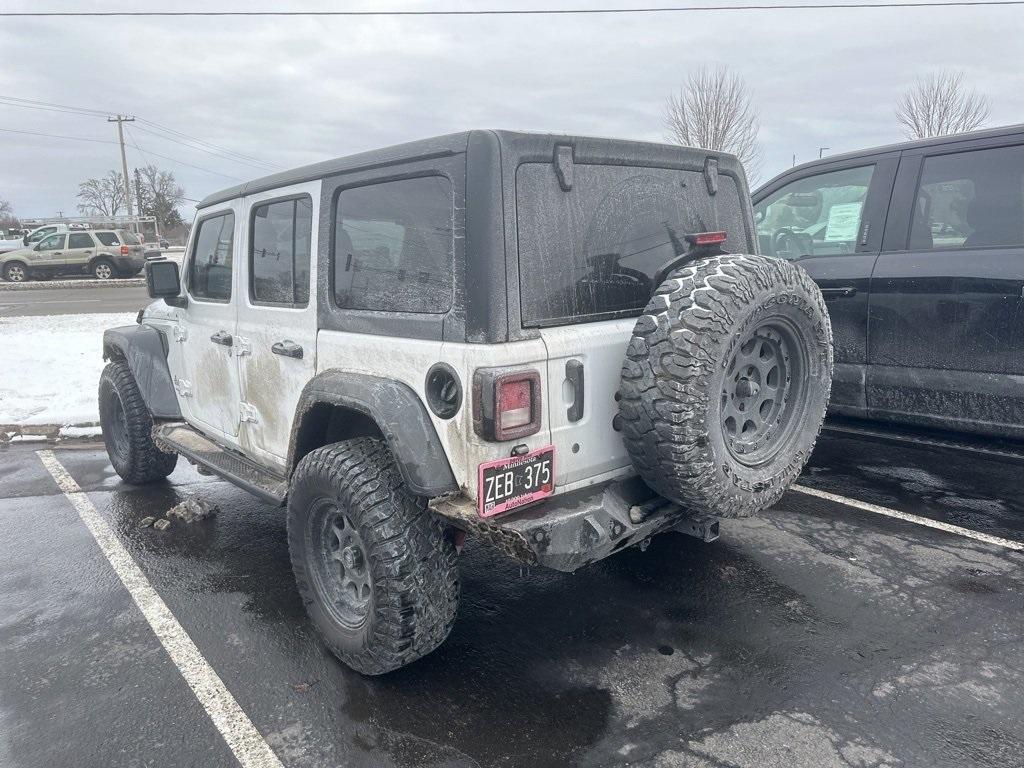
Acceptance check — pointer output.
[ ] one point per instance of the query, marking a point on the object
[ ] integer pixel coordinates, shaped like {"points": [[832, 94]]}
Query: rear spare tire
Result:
{"points": [[726, 382]]}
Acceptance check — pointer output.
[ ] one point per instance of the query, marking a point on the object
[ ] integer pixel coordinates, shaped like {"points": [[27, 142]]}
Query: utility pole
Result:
{"points": [[138, 190], [120, 120]]}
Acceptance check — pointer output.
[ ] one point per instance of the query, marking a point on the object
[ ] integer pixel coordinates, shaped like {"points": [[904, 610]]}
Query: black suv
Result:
{"points": [[919, 251]]}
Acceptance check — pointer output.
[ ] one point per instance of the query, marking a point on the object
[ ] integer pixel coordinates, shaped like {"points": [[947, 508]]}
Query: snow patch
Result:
{"points": [[50, 367]]}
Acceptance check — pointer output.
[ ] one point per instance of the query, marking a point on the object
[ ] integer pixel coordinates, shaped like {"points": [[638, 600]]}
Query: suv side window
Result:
{"points": [[279, 252], [970, 200], [52, 243], [814, 216], [107, 238], [209, 270], [80, 240], [394, 246]]}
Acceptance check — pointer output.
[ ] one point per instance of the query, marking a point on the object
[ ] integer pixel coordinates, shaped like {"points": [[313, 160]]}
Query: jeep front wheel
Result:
{"points": [[127, 428], [726, 382], [374, 567]]}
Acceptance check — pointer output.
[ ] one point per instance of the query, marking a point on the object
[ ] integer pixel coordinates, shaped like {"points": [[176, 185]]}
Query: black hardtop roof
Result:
{"points": [[455, 143], [953, 138]]}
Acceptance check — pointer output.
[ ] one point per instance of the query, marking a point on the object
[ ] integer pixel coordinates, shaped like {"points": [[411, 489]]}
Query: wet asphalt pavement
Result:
{"points": [[814, 636]]}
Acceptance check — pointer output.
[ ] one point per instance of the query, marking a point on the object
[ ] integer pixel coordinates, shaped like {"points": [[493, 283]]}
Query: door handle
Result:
{"points": [[287, 349], [223, 338], [574, 373], [838, 293]]}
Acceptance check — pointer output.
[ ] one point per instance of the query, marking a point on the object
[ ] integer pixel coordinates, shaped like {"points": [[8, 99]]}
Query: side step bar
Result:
{"points": [[180, 438]]}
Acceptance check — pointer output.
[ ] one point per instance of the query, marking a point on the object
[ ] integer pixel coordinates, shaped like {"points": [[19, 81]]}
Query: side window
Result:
{"points": [[107, 238], [394, 246], [970, 200], [209, 271], [52, 243], [279, 252], [815, 216], [80, 240]]}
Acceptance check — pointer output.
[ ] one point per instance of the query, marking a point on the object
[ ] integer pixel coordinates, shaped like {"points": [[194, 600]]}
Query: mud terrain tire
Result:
{"points": [[375, 569], [127, 428], [726, 382]]}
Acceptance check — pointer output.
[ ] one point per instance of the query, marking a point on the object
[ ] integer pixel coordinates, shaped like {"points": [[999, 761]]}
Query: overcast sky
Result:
{"points": [[295, 90]]}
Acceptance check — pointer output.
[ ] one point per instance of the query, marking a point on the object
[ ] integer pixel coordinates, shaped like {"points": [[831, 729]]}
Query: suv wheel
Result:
{"points": [[726, 382], [127, 429], [375, 569], [104, 269], [15, 273]]}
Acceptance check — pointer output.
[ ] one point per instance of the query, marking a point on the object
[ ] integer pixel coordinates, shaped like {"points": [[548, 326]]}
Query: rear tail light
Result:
{"points": [[124, 250], [506, 404]]}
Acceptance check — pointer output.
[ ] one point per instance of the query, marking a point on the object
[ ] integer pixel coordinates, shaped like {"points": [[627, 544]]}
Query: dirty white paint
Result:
{"points": [[906, 516], [248, 746]]}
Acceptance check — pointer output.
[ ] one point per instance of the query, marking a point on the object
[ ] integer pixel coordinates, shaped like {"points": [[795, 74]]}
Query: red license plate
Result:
{"points": [[513, 482]]}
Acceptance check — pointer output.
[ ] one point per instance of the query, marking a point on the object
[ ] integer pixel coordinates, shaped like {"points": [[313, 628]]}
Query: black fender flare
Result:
{"points": [[400, 415], [144, 348]]}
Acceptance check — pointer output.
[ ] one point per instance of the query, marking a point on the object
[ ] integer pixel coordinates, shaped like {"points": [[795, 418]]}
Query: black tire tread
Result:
{"points": [[413, 563], [146, 463], [670, 361]]}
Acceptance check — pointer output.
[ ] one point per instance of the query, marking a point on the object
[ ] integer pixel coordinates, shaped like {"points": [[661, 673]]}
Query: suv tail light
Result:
{"points": [[124, 250], [506, 403]]}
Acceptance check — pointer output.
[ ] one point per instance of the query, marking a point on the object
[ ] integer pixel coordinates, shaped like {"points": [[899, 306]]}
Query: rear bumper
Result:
{"points": [[578, 528]]}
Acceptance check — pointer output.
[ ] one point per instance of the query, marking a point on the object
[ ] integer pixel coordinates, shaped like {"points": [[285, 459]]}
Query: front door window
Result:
{"points": [[815, 216]]}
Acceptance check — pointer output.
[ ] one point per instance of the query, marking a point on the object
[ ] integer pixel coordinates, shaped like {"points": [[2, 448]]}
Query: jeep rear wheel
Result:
{"points": [[127, 428], [375, 569], [726, 382]]}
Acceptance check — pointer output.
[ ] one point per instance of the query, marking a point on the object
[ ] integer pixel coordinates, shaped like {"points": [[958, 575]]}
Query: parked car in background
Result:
{"points": [[919, 250], [104, 254]]}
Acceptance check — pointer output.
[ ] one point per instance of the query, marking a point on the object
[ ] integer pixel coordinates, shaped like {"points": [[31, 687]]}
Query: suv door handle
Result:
{"points": [[838, 293], [223, 338], [287, 349]]}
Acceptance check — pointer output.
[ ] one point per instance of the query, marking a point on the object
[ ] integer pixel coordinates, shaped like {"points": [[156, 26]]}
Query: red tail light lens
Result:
{"points": [[124, 250], [515, 403], [507, 404]]}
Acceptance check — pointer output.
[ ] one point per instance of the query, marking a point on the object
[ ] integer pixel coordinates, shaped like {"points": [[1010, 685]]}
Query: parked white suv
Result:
{"points": [[546, 341]]}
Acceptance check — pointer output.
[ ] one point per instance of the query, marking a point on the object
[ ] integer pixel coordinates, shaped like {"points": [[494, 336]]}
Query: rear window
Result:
{"points": [[107, 238], [591, 253]]}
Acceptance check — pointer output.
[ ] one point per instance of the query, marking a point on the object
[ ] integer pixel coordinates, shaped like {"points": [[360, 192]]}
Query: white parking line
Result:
{"points": [[234, 725], [925, 521]]}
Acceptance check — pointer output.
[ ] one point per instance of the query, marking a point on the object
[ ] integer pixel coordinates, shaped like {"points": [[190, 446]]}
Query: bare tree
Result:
{"points": [[940, 104], [160, 195], [103, 196], [7, 218], [713, 110]]}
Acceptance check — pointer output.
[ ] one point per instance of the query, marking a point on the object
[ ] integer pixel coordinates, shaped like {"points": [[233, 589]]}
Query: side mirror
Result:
{"points": [[164, 282], [24, 240]]}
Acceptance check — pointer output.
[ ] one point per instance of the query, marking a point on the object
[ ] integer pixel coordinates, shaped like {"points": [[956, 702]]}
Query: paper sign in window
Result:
{"points": [[843, 221]]}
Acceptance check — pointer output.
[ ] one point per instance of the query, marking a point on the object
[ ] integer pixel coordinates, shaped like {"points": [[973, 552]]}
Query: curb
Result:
{"points": [[40, 285]]}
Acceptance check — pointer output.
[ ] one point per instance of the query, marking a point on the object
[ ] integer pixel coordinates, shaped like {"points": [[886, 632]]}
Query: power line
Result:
{"points": [[105, 141], [57, 136], [147, 153], [525, 11], [258, 164], [213, 149]]}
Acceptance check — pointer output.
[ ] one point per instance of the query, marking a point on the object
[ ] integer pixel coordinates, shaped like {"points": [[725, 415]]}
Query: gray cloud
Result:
{"points": [[293, 91]]}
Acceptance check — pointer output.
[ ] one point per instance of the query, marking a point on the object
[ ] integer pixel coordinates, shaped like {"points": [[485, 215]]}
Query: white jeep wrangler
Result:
{"points": [[552, 342]]}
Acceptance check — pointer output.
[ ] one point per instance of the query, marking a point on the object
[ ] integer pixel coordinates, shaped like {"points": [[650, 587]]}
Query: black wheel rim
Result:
{"points": [[763, 391], [341, 566], [118, 429]]}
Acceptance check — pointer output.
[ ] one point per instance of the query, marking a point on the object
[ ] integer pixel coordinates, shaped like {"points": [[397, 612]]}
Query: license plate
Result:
{"points": [[518, 480]]}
